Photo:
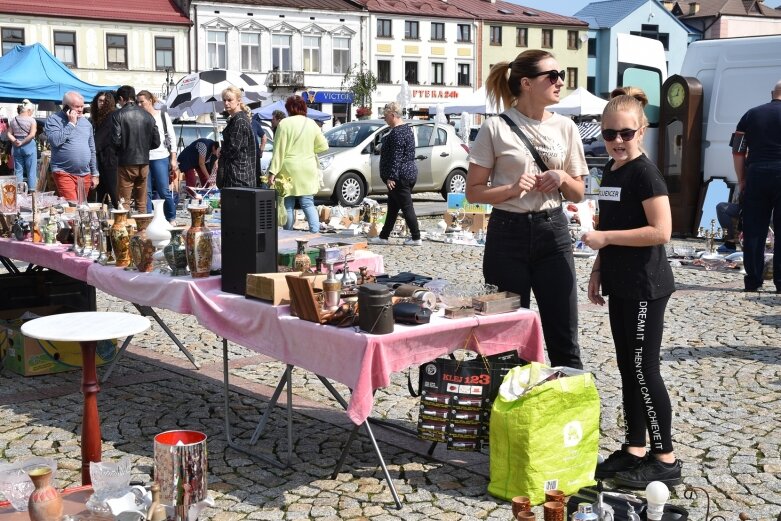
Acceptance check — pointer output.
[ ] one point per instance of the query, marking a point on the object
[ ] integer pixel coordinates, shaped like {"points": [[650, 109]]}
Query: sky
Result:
{"points": [[570, 7]]}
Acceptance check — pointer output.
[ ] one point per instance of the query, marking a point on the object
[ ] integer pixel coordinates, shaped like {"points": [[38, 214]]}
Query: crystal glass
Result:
{"points": [[460, 295], [109, 480], [15, 484]]}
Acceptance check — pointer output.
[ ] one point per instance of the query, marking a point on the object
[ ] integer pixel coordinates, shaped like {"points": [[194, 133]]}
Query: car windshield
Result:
{"points": [[351, 134]]}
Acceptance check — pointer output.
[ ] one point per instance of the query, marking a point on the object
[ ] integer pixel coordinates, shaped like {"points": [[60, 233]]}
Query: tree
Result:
{"points": [[361, 82]]}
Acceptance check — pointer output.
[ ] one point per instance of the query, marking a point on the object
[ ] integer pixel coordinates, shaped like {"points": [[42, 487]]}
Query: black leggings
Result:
{"points": [[637, 333]]}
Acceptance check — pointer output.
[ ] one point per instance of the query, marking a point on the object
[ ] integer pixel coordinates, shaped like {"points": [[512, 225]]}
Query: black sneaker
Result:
{"points": [[651, 470], [616, 462]]}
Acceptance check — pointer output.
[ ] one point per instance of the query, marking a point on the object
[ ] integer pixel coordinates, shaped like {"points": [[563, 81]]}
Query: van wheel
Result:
{"points": [[455, 183], [349, 190]]}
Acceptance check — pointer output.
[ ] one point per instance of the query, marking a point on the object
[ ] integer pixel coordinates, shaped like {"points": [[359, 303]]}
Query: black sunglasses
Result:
{"points": [[627, 134], [553, 76]]}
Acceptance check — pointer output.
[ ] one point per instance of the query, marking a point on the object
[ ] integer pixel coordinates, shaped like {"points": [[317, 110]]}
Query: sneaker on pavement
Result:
{"points": [[413, 242], [619, 461], [378, 240], [650, 470]]}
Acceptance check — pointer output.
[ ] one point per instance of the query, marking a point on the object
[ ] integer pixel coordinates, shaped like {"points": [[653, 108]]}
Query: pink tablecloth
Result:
{"points": [[55, 257]]}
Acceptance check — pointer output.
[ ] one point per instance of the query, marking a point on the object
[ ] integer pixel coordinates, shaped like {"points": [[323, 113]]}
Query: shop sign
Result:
{"points": [[434, 93], [327, 96]]}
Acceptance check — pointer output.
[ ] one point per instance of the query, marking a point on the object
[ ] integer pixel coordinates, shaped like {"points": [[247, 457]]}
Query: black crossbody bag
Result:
{"points": [[535, 154]]}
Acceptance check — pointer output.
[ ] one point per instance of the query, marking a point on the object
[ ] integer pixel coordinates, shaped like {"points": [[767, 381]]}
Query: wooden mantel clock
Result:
{"points": [[680, 149]]}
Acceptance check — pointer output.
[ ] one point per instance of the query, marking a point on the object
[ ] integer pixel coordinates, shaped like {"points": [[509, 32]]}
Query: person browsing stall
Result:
{"points": [[197, 160], [631, 268], [528, 246], [21, 134], [101, 108], [238, 158]]}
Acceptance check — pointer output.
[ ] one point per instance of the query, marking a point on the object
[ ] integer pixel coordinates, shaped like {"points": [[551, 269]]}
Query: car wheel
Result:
{"points": [[455, 183], [349, 190]]}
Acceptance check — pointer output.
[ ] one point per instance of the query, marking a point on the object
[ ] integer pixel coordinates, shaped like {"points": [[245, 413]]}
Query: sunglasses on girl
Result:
{"points": [[553, 76], [627, 134]]}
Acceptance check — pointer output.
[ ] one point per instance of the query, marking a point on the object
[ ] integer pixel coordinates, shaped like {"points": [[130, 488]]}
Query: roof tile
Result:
{"points": [[146, 11]]}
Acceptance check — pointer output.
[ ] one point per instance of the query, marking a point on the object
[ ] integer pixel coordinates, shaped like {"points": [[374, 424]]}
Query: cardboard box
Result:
{"points": [[472, 222], [269, 286], [458, 202], [336, 252], [32, 357]]}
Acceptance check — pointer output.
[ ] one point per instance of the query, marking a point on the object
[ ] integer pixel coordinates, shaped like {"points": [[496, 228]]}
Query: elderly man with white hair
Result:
{"points": [[21, 134], [73, 147]]}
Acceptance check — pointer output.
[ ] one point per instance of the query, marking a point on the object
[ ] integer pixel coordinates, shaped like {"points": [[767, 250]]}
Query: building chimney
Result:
{"points": [[694, 7], [668, 4]]}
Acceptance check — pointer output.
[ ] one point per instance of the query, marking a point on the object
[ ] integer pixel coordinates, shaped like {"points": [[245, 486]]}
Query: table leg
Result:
{"points": [[90, 424]]}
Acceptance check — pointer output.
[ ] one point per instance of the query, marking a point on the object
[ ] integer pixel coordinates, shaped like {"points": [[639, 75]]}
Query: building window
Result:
{"points": [[437, 73], [216, 49], [164, 53], [591, 84], [464, 33], [411, 72], [116, 51], [572, 39], [341, 55], [250, 51], [592, 47], [12, 36], [652, 31], [522, 37], [438, 31], [547, 38], [496, 35], [384, 28], [383, 71], [280, 52], [411, 30], [572, 77], [65, 47], [464, 76], [311, 54]]}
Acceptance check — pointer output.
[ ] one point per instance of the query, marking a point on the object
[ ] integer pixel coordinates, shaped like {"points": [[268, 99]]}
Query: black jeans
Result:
{"points": [[637, 334], [762, 197], [533, 252], [400, 198]]}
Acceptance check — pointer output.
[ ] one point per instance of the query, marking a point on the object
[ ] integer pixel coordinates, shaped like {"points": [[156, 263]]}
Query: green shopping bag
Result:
{"points": [[544, 432]]}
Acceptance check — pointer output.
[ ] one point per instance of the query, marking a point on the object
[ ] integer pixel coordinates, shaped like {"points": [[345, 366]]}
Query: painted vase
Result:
{"points": [[198, 242], [301, 262], [159, 230], [141, 247], [120, 238], [176, 252], [45, 502]]}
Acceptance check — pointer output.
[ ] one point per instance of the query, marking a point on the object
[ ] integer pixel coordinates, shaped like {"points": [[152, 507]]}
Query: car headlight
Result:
{"points": [[326, 161]]}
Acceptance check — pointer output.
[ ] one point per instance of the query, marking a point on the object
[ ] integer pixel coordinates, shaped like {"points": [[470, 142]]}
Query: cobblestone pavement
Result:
{"points": [[720, 360]]}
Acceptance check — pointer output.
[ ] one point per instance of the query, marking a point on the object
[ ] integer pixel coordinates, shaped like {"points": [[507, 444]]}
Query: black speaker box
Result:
{"points": [[249, 235]]}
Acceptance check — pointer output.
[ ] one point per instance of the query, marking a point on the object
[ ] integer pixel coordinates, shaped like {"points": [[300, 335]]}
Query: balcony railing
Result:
{"points": [[293, 80]]}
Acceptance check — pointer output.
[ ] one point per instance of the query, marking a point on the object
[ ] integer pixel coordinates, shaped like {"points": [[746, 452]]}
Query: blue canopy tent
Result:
{"points": [[265, 112], [32, 72]]}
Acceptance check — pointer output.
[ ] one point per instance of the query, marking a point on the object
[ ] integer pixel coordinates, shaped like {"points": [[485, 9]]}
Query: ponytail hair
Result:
{"points": [[504, 79], [630, 99]]}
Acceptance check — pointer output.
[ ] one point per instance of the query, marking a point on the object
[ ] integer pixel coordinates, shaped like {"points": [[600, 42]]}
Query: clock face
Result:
{"points": [[676, 95]]}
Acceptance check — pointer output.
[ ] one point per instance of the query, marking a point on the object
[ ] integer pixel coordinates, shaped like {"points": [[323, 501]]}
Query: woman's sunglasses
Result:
{"points": [[627, 134], [553, 76]]}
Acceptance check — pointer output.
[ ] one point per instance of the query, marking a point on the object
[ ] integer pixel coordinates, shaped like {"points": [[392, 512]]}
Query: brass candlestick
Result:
{"points": [[710, 236]]}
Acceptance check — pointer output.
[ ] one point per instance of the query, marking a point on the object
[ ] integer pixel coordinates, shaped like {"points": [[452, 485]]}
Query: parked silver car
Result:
{"points": [[351, 166]]}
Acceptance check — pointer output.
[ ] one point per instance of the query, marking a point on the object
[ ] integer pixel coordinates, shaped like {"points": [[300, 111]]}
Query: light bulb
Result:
{"points": [[657, 495]]}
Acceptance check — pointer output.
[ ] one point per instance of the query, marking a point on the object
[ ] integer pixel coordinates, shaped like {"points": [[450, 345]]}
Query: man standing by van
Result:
{"points": [[756, 153]]}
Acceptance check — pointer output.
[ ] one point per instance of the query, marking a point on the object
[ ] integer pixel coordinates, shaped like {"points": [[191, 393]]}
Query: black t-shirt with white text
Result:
{"points": [[627, 271]]}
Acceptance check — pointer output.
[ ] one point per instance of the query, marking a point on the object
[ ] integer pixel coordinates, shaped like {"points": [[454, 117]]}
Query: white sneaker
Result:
{"points": [[413, 242], [378, 240]]}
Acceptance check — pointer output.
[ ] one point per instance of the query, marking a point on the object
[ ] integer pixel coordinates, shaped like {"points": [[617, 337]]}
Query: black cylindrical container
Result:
{"points": [[375, 309]]}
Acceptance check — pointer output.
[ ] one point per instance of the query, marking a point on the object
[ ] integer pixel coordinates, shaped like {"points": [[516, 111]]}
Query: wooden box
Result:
{"points": [[472, 222], [269, 286], [501, 302]]}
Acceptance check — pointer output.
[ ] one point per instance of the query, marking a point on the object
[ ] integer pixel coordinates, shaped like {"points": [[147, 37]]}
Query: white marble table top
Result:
{"points": [[85, 326]]}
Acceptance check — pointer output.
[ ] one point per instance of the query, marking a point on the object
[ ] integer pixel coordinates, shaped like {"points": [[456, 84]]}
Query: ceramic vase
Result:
{"points": [[176, 252], [45, 502], [120, 239], [198, 243], [141, 247], [301, 262], [159, 230]]}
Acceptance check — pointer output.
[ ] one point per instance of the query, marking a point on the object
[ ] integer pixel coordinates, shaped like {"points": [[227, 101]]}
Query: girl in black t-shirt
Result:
{"points": [[632, 269]]}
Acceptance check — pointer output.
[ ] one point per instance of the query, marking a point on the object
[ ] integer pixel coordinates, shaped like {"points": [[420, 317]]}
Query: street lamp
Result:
{"points": [[169, 82]]}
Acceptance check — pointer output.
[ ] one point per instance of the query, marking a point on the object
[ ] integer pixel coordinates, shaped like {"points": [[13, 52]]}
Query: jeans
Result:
{"points": [[726, 213], [307, 203], [157, 181], [26, 164], [400, 198], [762, 197], [533, 252]]}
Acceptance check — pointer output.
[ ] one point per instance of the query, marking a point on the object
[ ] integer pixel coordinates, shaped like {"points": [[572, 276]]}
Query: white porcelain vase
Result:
{"points": [[159, 230]]}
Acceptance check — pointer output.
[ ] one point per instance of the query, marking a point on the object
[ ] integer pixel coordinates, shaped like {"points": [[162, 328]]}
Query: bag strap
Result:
{"points": [[536, 155], [166, 141]]}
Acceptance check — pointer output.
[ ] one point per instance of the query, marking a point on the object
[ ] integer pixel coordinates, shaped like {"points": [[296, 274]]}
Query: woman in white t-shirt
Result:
{"points": [[528, 245], [162, 160]]}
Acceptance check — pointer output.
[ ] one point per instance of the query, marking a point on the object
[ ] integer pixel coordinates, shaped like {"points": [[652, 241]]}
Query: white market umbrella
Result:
{"points": [[580, 103], [201, 92], [475, 103]]}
